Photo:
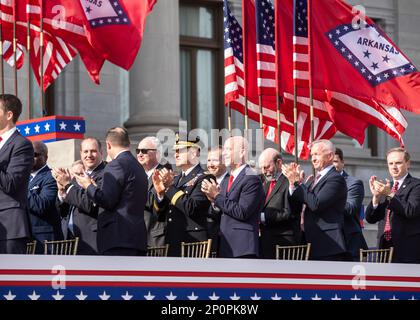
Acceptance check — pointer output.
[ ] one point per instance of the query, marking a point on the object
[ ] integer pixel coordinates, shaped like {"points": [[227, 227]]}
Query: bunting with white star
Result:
{"points": [[53, 128]]}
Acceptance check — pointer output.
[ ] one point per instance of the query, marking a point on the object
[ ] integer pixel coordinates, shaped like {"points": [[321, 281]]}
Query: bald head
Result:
{"points": [[270, 162], [235, 151], [40, 155]]}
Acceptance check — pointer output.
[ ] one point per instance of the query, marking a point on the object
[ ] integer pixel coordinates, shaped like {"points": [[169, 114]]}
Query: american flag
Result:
{"points": [[266, 55], [234, 68], [9, 56], [56, 55], [300, 44]]}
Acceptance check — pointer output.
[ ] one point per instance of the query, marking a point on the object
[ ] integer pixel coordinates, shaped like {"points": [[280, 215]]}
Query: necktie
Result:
{"points": [[70, 225], [179, 184], [387, 229], [229, 183], [302, 214], [1, 139], [270, 189]]}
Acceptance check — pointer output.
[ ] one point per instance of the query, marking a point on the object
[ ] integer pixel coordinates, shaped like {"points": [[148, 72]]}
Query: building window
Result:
{"points": [[201, 63]]}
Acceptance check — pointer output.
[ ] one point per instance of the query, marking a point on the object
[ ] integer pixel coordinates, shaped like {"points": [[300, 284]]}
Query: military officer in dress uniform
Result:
{"points": [[181, 197]]}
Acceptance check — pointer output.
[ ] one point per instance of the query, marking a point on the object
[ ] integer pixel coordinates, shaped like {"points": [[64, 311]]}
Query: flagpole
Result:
{"points": [[28, 46], [244, 64], [277, 56], [229, 118], [311, 101], [295, 124], [15, 48], [41, 57], [1, 55]]}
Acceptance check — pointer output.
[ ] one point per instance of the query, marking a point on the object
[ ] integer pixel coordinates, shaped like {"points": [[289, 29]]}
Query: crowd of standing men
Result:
{"points": [[125, 205]]}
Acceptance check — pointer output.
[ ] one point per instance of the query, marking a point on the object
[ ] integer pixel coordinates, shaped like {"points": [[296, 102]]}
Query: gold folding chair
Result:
{"points": [[161, 251], [376, 255], [196, 249], [293, 252], [30, 247], [61, 247]]}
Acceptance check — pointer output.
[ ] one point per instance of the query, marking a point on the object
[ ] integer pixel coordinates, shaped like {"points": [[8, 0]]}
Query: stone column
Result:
{"points": [[154, 92]]}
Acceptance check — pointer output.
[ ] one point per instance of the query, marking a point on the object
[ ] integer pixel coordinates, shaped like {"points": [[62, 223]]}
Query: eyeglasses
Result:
{"points": [[144, 151], [36, 154]]}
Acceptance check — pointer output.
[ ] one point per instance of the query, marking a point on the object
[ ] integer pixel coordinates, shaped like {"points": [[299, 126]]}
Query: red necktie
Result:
{"points": [[270, 188], [1, 139], [229, 183], [387, 229]]}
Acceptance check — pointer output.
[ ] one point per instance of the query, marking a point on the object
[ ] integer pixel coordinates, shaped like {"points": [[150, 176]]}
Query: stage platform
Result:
{"points": [[39, 277]]}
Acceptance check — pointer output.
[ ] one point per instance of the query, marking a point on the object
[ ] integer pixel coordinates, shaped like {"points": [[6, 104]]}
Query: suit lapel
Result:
{"points": [[190, 176], [404, 186], [323, 179], [238, 178], [38, 177], [279, 183], [6, 146]]}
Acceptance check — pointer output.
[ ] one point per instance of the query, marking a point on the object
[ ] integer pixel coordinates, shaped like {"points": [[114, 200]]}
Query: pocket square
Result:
{"points": [[34, 188]]}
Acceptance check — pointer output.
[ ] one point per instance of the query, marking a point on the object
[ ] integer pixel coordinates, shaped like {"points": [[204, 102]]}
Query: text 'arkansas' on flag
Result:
{"points": [[351, 112]]}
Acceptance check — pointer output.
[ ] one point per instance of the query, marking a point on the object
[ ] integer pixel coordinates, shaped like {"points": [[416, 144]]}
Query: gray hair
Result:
{"points": [[328, 145]]}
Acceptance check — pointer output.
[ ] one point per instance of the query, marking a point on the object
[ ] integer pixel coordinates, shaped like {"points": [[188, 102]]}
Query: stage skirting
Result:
{"points": [[38, 277]]}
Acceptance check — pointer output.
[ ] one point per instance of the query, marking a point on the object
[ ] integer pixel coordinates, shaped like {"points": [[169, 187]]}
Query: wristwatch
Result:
{"points": [[390, 196], [68, 185]]}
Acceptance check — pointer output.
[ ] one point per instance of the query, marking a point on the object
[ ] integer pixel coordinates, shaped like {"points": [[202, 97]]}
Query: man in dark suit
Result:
{"points": [[16, 160], [148, 155], [122, 195], [355, 193], [324, 200], [43, 214], [240, 200], [217, 168], [397, 208], [181, 197], [279, 218], [78, 210]]}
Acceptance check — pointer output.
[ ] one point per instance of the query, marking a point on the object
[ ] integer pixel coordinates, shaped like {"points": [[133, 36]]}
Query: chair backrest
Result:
{"points": [[293, 252], [61, 247], [161, 251], [196, 249], [376, 255], [30, 247]]}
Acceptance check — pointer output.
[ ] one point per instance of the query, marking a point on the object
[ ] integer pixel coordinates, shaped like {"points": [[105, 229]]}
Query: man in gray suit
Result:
{"points": [[16, 160], [355, 194], [148, 155]]}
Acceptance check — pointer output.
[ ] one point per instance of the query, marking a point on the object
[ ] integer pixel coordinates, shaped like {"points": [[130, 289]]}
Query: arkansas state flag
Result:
{"points": [[347, 99], [115, 27], [362, 60]]}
